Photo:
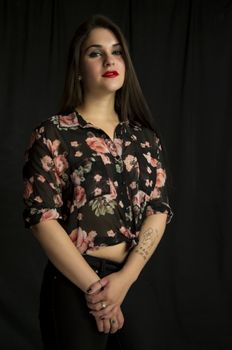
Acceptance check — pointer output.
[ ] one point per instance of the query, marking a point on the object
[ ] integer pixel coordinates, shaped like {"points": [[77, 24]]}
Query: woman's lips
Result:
{"points": [[110, 74]]}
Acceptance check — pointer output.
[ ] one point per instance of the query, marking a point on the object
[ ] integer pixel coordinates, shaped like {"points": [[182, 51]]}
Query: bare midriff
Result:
{"points": [[116, 253]]}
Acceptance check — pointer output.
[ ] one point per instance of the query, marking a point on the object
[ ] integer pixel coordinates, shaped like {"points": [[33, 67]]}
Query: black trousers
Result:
{"points": [[66, 324]]}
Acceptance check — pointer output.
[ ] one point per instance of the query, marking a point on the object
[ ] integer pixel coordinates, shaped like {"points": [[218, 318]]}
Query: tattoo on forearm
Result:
{"points": [[146, 242]]}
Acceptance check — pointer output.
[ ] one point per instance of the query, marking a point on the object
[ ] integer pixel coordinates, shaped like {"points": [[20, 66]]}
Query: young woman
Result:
{"points": [[96, 200]]}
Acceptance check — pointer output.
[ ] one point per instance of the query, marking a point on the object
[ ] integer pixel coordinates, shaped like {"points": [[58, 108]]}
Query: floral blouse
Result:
{"points": [[100, 190]]}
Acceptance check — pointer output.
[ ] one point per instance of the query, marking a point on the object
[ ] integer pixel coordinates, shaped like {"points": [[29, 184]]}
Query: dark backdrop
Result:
{"points": [[182, 51]]}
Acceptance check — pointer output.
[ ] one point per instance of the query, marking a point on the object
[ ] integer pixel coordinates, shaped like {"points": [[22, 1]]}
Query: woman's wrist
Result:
{"points": [[129, 275]]}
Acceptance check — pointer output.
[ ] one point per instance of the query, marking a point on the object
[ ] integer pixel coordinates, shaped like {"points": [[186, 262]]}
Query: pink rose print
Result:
{"points": [[58, 200], [52, 185], [111, 147], [113, 192], [83, 240], [74, 143], [115, 147], [110, 233], [76, 178], [134, 137], [47, 163], [125, 231], [73, 236], [38, 199], [79, 216], [152, 161], [155, 193], [146, 144], [118, 145], [121, 204], [97, 191], [41, 130], [78, 154], [139, 198], [58, 181], [49, 214], [105, 159], [130, 161], [149, 170], [28, 190], [97, 144], [160, 177], [91, 235], [148, 183], [133, 185], [80, 196], [68, 120], [52, 145], [41, 178], [61, 164], [149, 211], [97, 177]]}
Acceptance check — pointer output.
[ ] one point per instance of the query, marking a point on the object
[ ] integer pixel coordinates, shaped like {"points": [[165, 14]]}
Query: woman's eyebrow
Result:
{"points": [[98, 45]]}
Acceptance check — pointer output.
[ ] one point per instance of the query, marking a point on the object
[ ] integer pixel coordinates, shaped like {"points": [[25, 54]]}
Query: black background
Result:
{"points": [[182, 52]]}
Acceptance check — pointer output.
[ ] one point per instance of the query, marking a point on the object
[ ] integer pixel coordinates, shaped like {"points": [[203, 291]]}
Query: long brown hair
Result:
{"points": [[129, 99]]}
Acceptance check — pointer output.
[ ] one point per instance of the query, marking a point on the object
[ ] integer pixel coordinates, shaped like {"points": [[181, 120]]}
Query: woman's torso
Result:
{"points": [[100, 182], [119, 251], [116, 252]]}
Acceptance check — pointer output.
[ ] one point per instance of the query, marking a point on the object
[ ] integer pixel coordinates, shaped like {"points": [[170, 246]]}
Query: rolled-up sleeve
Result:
{"points": [[158, 201], [43, 179]]}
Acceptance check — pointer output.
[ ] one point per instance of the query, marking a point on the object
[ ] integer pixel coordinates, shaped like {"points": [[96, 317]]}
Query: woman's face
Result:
{"points": [[101, 52]]}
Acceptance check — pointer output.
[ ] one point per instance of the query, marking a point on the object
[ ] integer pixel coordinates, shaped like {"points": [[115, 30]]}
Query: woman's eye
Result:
{"points": [[97, 53], [118, 52], [94, 54]]}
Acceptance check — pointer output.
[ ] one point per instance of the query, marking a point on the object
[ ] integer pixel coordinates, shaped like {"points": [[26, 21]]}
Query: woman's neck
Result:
{"points": [[100, 111]]}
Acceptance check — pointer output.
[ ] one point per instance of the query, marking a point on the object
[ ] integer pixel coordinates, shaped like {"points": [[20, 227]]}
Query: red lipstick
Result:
{"points": [[110, 74]]}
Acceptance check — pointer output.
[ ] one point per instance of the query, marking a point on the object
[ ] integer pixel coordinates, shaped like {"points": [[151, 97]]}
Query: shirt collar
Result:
{"points": [[84, 124]]}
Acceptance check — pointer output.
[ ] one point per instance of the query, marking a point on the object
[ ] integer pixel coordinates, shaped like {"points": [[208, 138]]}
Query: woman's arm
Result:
{"points": [[119, 282], [63, 254], [149, 238]]}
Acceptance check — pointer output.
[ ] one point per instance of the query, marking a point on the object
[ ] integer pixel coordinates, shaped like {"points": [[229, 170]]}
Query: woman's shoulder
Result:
{"points": [[57, 124], [144, 131], [60, 122]]}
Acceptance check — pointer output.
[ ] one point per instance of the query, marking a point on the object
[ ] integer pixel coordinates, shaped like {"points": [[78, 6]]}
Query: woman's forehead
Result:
{"points": [[100, 37]]}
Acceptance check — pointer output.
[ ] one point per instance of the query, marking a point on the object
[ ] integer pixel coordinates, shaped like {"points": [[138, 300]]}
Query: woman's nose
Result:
{"points": [[109, 60]]}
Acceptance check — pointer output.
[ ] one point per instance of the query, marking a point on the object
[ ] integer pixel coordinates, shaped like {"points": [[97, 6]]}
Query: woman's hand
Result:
{"points": [[111, 325], [116, 320], [102, 302]]}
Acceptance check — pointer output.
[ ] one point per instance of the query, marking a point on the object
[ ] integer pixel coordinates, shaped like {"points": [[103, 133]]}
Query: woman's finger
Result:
{"points": [[103, 313], [97, 306], [96, 297], [106, 326], [96, 286], [113, 324], [100, 325], [120, 318]]}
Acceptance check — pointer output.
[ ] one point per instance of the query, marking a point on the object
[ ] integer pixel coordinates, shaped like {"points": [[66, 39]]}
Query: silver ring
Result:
{"points": [[103, 305]]}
